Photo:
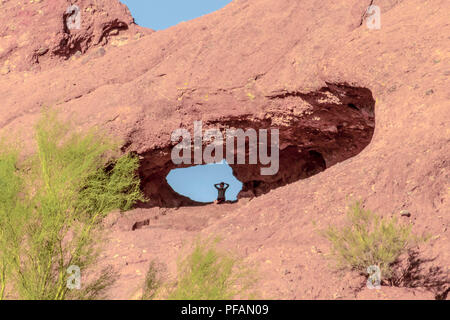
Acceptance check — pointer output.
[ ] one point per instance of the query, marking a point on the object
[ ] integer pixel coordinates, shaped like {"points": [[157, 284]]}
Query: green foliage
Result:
{"points": [[50, 211], [111, 189], [368, 239], [152, 284], [208, 274], [11, 213]]}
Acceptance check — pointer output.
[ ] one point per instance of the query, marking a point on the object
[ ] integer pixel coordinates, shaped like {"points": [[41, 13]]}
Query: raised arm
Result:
{"points": [[226, 186], [216, 186]]}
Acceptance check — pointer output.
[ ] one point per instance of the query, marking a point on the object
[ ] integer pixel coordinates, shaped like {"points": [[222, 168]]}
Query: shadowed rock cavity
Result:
{"points": [[317, 130]]}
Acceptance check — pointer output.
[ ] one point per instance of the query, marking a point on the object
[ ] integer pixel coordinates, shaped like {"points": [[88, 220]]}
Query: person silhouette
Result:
{"points": [[221, 189]]}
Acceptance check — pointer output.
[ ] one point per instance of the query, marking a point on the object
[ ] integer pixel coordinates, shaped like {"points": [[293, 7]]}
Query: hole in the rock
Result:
{"points": [[316, 163], [338, 125], [197, 182]]}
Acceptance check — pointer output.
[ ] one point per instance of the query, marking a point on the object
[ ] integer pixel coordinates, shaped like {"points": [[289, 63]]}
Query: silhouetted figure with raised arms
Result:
{"points": [[221, 189]]}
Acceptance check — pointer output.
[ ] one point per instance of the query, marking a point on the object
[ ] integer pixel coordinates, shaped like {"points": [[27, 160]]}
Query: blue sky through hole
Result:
{"points": [[162, 14], [197, 182]]}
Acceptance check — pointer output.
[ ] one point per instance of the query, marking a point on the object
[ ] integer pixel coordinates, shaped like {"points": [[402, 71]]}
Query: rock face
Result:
{"points": [[42, 33], [369, 109]]}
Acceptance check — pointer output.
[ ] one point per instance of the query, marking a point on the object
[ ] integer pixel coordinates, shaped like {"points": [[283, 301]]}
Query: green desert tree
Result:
{"points": [[66, 191]]}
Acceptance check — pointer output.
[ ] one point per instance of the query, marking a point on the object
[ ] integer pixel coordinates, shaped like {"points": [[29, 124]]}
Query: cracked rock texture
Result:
{"points": [[369, 106]]}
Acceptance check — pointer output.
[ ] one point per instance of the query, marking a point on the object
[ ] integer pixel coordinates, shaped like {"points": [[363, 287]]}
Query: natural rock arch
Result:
{"points": [[317, 130]]}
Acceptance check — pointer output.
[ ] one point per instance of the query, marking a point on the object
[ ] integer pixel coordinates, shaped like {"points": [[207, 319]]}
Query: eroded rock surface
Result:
{"points": [[370, 106], [40, 33]]}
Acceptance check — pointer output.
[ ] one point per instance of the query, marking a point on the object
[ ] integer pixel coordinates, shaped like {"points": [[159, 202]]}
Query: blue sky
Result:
{"points": [[161, 14], [197, 182]]}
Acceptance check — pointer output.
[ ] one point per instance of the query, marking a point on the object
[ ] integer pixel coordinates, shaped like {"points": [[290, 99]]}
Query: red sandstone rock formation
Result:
{"points": [[369, 109]]}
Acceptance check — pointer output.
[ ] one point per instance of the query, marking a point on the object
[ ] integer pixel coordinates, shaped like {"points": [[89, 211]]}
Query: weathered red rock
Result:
{"points": [[369, 106]]}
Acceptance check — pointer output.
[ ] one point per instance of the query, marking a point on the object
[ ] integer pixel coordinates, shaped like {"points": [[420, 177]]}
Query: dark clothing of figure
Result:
{"points": [[221, 189]]}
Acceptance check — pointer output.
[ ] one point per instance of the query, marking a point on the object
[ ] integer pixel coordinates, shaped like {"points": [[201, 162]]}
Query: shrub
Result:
{"points": [[209, 274], [153, 282], [53, 206], [11, 213], [369, 240], [109, 189]]}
